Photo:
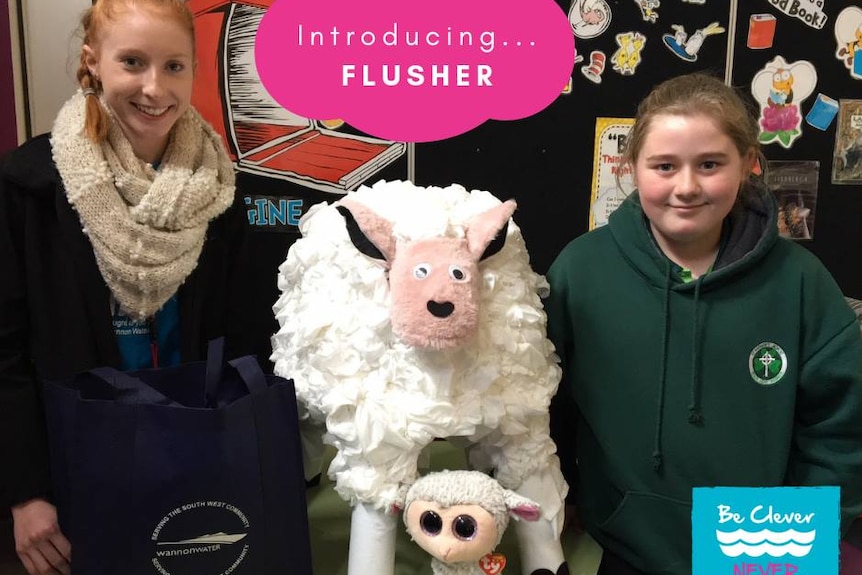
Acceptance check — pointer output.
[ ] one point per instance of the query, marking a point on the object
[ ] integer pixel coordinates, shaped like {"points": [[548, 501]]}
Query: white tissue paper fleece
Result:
{"points": [[382, 401]]}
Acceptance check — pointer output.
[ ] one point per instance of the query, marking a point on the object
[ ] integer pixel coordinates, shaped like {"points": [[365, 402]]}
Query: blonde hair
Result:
{"points": [[93, 23], [697, 94]]}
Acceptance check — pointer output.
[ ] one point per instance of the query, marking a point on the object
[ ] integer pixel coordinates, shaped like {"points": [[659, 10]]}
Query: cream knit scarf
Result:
{"points": [[146, 226]]}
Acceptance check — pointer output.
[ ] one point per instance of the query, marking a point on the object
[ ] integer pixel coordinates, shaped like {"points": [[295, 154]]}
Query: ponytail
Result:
{"points": [[96, 117]]}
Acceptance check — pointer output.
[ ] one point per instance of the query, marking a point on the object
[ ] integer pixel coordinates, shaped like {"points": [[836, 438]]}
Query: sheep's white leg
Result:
{"points": [[372, 541], [539, 546], [539, 541]]}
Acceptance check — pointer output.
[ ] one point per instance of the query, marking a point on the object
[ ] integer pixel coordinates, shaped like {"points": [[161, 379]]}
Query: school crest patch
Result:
{"points": [[767, 363]]}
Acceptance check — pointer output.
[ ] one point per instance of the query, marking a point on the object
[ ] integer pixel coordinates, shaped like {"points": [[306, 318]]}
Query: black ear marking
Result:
{"points": [[358, 237], [497, 243]]}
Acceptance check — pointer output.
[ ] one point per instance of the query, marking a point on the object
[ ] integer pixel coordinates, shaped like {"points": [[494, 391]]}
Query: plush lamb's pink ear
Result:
{"points": [[485, 228], [370, 233], [522, 508]]}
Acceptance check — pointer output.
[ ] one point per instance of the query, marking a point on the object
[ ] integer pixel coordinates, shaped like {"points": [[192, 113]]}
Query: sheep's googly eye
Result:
{"points": [[458, 274], [464, 527], [421, 271], [431, 523]]}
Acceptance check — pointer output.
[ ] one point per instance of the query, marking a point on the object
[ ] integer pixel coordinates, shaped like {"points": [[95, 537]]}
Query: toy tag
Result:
{"points": [[493, 563]]}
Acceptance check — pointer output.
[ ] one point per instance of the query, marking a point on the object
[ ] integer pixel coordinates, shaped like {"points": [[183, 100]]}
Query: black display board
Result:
{"points": [[839, 207], [545, 161]]}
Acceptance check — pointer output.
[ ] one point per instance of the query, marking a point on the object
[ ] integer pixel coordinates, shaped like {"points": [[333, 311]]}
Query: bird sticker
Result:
{"points": [[848, 37], [779, 88], [781, 91]]}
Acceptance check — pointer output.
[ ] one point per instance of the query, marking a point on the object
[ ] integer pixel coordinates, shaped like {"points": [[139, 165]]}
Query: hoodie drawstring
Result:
{"points": [[656, 454], [695, 413]]}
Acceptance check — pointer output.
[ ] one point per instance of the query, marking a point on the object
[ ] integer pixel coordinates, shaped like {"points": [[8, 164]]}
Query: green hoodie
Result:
{"points": [[669, 390]]}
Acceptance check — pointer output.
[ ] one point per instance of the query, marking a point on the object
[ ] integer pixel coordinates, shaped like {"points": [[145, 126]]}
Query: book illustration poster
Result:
{"points": [[261, 136], [847, 160], [761, 31], [606, 192], [794, 185]]}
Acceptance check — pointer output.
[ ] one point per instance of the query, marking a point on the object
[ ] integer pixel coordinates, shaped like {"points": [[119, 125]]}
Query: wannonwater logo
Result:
{"points": [[767, 363], [765, 531], [201, 537]]}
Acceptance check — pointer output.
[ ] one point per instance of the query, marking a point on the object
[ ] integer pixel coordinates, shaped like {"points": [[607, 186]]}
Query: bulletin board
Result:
{"points": [[798, 41], [546, 161]]}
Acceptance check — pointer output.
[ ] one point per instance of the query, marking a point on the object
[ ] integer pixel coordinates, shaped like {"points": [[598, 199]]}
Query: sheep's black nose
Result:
{"points": [[444, 309]]}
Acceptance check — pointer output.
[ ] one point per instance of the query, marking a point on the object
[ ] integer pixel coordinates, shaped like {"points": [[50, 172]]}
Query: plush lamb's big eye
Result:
{"points": [[421, 271], [464, 527], [458, 274], [431, 523]]}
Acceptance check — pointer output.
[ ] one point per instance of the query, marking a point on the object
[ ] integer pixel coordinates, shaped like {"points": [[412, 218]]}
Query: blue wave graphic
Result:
{"points": [[765, 542]]}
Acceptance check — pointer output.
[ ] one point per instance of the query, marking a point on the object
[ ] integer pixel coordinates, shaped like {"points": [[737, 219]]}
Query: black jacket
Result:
{"points": [[55, 316]]}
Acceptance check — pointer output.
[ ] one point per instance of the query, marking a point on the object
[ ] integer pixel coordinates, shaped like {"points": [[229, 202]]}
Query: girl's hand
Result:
{"points": [[41, 546]]}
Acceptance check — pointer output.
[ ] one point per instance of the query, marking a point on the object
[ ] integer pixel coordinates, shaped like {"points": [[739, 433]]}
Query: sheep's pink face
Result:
{"points": [[434, 283], [434, 287]]}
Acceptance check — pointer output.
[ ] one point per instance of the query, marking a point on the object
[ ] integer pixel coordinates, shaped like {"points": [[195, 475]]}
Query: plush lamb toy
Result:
{"points": [[409, 314], [459, 517]]}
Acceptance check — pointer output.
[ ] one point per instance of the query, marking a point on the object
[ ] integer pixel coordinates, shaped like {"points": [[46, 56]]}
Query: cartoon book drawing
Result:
{"points": [[822, 112], [261, 136], [761, 31]]}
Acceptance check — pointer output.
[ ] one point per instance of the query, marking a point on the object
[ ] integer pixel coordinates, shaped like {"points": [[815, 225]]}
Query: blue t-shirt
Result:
{"points": [[148, 343]]}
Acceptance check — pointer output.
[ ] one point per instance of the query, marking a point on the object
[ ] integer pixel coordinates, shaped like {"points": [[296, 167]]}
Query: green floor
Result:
{"points": [[329, 519]]}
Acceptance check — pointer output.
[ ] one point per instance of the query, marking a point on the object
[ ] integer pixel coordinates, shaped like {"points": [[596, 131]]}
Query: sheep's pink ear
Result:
{"points": [[522, 507], [527, 511], [486, 232], [370, 233]]}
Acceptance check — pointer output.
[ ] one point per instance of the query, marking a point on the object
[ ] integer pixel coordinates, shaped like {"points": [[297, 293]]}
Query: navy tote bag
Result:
{"points": [[188, 470]]}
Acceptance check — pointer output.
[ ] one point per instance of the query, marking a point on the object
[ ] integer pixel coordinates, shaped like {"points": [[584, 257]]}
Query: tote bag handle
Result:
{"points": [[131, 390], [247, 366], [128, 389]]}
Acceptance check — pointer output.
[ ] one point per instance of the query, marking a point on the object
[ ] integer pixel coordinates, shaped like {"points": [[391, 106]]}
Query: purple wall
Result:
{"points": [[8, 126]]}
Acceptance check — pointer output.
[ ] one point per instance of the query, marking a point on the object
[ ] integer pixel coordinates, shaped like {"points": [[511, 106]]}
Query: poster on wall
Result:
{"points": [[847, 160], [262, 137], [794, 185], [611, 183]]}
